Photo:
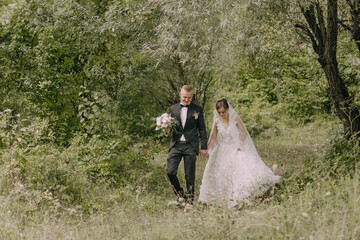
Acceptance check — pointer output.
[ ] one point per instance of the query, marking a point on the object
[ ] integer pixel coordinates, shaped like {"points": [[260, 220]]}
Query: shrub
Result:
{"points": [[343, 154], [52, 176]]}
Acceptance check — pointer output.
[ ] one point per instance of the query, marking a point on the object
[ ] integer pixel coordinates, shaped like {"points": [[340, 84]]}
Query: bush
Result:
{"points": [[340, 160], [342, 156], [51, 176]]}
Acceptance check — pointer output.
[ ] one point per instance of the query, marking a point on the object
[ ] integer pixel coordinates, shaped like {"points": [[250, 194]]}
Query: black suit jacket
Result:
{"points": [[193, 126]]}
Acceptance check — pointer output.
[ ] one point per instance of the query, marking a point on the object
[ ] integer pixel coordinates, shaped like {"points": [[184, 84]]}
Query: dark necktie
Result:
{"points": [[184, 105]]}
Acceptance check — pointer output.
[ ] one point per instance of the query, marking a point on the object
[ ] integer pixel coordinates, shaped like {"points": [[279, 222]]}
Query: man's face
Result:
{"points": [[186, 97]]}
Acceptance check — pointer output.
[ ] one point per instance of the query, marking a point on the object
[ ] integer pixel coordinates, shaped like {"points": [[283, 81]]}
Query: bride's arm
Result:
{"points": [[242, 128], [213, 137]]}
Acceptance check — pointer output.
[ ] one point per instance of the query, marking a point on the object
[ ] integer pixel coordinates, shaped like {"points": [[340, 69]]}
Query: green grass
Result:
{"points": [[324, 209]]}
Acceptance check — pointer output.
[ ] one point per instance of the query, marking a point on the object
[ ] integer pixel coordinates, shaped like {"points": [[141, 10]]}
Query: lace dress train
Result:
{"points": [[232, 176]]}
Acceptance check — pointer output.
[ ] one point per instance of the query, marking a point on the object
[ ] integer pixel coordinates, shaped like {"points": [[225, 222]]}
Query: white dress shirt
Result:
{"points": [[183, 116]]}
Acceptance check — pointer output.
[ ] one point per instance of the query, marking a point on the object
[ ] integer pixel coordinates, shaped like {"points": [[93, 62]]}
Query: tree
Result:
{"points": [[353, 24], [67, 62], [322, 32], [188, 39]]}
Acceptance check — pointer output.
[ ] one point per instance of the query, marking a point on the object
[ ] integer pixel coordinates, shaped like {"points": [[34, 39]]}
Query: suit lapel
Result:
{"points": [[177, 114]]}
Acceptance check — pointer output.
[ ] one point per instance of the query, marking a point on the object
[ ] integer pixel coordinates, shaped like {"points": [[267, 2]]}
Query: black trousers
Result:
{"points": [[177, 152]]}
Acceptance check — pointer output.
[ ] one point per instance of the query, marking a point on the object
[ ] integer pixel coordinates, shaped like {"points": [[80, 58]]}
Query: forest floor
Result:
{"points": [[319, 209]]}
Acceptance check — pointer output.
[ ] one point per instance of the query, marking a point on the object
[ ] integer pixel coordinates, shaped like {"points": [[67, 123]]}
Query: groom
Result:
{"points": [[185, 142]]}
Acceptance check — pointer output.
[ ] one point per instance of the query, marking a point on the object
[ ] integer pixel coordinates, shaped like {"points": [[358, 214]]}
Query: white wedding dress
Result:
{"points": [[232, 176]]}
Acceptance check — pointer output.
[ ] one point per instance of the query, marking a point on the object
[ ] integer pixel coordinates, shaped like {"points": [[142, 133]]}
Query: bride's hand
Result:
{"points": [[203, 152]]}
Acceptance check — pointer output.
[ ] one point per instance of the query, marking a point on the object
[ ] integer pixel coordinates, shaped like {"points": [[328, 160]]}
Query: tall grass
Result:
{"points": [[323, 208]]}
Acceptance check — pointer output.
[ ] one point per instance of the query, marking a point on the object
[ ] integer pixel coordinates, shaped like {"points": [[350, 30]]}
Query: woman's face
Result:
{"points": [[223, 112]]}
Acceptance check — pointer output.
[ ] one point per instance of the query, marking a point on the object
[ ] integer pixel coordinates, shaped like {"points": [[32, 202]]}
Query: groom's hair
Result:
{"points": [[187, 88]]}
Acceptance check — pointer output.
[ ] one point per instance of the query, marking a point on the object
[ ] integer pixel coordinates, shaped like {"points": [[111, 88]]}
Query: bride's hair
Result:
{"points": [[222, 102]]}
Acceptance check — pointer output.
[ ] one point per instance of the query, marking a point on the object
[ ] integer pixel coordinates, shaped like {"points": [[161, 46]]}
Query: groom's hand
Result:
{"points": [[203, 152]]}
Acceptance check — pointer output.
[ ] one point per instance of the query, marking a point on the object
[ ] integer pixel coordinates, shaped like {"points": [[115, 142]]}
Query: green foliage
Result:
{"points": [[303, 88], [53, 52], [23, 132], [81, 83], [109, 67], [342, 156], [259, 118], [187, 43], [31, 165], [265, 95], [325, 208]]}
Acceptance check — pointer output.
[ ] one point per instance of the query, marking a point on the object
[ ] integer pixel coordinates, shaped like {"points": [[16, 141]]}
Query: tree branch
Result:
{"points": [[180, 69], [320, 17], [308, 33], [355, 16], [347, 27], [332, 22]]}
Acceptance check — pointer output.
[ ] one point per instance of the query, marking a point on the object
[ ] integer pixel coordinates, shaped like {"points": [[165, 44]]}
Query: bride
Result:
{"points": [[234, 173]]}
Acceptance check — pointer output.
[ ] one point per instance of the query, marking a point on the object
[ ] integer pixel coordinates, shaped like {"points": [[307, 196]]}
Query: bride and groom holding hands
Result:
{"points": [[234, 173]]}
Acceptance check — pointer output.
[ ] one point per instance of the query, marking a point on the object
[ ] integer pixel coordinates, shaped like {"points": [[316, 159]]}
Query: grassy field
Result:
{"points": [[320, 209]]}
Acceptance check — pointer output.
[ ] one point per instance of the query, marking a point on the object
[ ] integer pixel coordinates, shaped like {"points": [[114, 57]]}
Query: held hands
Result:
{"points": [[203, 152]]}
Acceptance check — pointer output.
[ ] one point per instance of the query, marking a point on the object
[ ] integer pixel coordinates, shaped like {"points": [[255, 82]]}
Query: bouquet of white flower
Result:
{"points": [[165, 121]]}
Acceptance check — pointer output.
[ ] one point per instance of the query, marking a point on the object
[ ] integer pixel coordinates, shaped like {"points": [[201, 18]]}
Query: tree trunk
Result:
{"points": [[324, 41], [355, 18], [343, 102]]}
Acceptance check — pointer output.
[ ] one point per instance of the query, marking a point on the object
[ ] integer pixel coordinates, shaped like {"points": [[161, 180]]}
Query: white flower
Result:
{"points": [[72, 210], [304, 214], [165, 121], [19, 185], [327, 194], [274, 167], [39, 11]]}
